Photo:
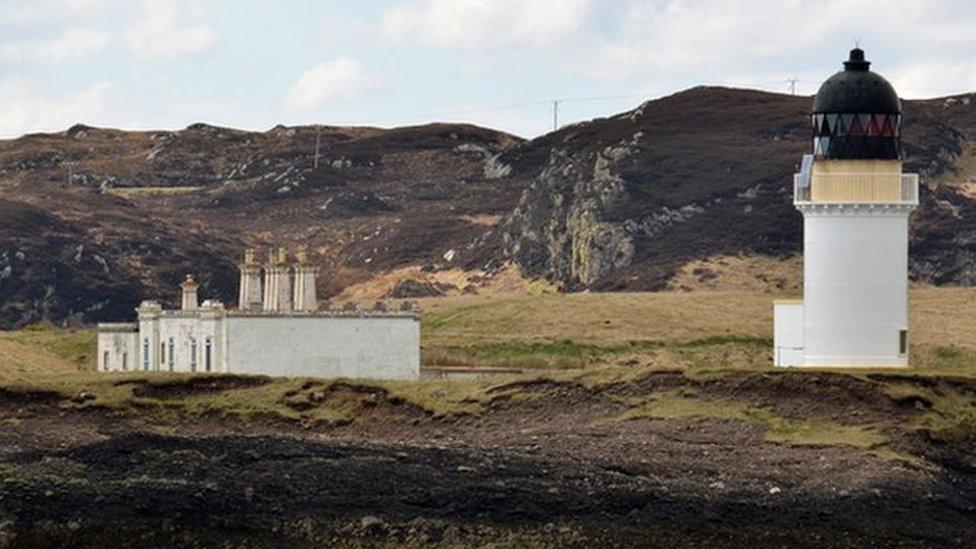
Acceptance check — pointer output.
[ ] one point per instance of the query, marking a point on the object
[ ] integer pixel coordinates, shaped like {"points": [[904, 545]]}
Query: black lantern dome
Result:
{"points": [[857, 115]]}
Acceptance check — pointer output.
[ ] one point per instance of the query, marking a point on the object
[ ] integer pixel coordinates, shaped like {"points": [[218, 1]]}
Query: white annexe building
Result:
{"points": [[277, 330]]}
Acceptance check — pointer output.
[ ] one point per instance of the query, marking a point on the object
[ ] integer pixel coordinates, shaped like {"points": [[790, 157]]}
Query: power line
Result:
{"points": [[510, 106], [557, 106]]}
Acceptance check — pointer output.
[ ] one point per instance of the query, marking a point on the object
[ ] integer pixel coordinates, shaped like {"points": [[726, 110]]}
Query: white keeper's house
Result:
{"points": [[856, 203], [277, 330]]}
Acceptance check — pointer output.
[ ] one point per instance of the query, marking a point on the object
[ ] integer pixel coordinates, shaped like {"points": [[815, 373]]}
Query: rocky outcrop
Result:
{"points": [[626, 202], [561, 228]]}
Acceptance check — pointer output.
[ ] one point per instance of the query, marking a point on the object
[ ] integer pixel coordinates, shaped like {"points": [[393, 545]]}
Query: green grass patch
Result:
{"points": [[570, 354], [446, 397], [6, 470], [77, 347], [949, 407], [779, 430], [437, 320], [728, 339]]}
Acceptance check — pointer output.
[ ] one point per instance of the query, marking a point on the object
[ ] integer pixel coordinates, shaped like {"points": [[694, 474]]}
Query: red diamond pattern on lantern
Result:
{"points": [[874, 129], [886, 130]]}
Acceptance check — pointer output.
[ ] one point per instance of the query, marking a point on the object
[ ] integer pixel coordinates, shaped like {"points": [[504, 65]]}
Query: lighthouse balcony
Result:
{"points": [[854, 188]]}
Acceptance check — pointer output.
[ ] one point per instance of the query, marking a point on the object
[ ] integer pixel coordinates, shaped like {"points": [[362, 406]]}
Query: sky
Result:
{"points": [[253, 64]]}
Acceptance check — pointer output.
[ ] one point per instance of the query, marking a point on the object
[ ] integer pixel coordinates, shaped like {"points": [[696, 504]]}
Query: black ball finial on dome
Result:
{"points": [[856, 61], [857, 114]]}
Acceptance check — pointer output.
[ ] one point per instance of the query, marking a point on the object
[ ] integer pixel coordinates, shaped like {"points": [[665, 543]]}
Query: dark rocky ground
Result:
{"points": [[556, 468]]}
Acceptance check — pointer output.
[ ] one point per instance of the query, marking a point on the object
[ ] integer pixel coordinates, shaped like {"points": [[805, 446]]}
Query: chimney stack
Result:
{"points": [[285, 303], [270, 284], [190, 302], [250, 297], [277, 286], [305, 297]]}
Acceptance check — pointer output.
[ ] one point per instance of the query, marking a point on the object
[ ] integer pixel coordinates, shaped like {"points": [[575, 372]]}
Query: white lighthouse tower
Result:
{"points": [[856, 203]]}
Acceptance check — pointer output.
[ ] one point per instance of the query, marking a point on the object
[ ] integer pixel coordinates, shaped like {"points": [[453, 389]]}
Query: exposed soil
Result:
{"points": [[194, 385], [555, 466]]}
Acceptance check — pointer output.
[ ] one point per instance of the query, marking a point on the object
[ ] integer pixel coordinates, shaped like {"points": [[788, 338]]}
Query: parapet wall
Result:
{"points": [[367, 346]]}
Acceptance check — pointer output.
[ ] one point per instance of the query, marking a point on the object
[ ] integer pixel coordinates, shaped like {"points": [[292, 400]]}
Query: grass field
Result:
{"points": [[678, 329], [594, 339]]}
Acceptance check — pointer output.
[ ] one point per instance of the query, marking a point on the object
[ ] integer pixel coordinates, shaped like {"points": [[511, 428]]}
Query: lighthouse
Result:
{"points": [[856, 204]]}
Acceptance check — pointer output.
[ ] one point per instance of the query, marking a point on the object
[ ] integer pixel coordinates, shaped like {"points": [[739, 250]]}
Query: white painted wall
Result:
{"points": [[855, 284], [186, 338], [117, 347], [788, 333], [351, 347]]}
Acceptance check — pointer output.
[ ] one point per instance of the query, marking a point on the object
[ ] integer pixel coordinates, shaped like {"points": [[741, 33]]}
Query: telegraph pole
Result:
{"points": [[792, 81], [555, 115]]}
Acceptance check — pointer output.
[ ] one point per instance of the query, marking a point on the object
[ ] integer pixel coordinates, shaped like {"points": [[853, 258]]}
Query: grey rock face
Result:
{"points": [[560, 228]]}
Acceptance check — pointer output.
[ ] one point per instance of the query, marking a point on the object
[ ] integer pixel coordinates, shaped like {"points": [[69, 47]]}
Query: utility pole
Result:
{"points": [[555, 115], [318, 143], [792, 81]]}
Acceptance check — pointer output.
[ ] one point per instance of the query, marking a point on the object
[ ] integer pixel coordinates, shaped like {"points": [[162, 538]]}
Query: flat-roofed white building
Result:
{"points": [[281, 334]]}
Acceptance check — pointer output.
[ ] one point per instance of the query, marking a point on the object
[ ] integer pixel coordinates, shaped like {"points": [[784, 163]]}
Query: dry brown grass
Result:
{"points": [[715, 329], [507, 282], [597, 318], [741, 273], [939, 316], [483, 220], [38, 350]]}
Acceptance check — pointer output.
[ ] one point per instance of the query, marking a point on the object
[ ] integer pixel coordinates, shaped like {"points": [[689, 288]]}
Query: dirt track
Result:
{"points": [[555, 469]]}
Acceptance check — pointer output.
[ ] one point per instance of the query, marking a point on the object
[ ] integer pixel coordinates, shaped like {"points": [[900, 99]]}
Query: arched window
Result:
{"points": [[170, 354], [193, 354], [105, 361]]}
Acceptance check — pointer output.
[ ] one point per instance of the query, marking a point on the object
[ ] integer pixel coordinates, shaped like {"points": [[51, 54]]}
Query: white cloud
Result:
{"points": [[157, 35], [339, 79], [934, 78], [30, 12], [72, 43], [682, 38], [485, 23], [26, 109]]}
